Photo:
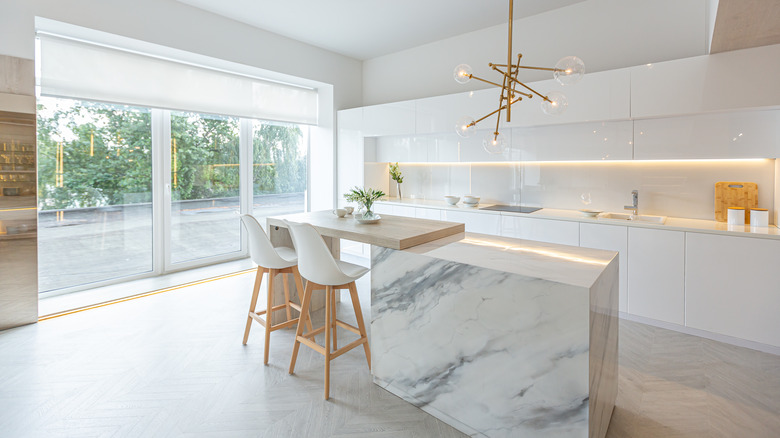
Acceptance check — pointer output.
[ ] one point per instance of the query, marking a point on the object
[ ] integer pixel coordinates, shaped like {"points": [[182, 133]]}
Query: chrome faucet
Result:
{"points": [[635, 207]]}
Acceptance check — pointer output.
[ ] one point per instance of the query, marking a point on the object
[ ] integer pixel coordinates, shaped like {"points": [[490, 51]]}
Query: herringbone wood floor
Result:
{"points": [[173, 365]]}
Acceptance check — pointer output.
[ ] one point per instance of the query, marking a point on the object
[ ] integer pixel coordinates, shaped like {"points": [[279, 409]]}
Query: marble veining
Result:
{"points": [[493, 353]]}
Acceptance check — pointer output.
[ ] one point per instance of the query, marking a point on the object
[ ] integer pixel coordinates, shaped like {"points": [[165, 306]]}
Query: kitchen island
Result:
{"points": [[497, 337]]}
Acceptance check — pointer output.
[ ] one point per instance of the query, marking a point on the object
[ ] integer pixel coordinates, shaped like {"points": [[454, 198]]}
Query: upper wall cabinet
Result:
{"points": [[724, 81], [744, 134], [389, 119], [578, 141], [437, 115], [599, 96]]}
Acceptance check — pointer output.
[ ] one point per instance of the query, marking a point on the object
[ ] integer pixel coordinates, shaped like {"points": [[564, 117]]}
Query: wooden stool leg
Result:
{"points": [[299, 331], [269, 313], [333, 292], [328, 316], [299, 285], [286, 296], [253, 303], [359, 315]]}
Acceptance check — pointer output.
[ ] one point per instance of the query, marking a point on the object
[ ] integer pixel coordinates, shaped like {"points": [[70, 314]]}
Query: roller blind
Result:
{"points": [[82, 70]]}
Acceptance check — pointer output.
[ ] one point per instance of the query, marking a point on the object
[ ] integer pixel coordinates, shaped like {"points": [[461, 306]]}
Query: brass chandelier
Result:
{"points": [[567, 71]]}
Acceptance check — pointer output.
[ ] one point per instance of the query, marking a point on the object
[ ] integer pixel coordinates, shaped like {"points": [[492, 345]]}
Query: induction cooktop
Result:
{"points": [[512, 208]]}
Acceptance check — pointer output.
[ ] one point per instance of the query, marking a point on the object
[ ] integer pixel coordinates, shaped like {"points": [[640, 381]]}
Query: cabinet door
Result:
{"points": [[656, 270], [436, 115], [382, 208], [484, 223], [744, 134], [732, 286], [389, 119], [613, 238], [541, 230], [580, 141], [403, 210], [700, 84], [428, 213]]}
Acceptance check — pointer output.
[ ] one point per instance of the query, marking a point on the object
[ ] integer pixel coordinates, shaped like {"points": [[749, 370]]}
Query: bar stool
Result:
{"points": [[323, 271], [272, 261]]}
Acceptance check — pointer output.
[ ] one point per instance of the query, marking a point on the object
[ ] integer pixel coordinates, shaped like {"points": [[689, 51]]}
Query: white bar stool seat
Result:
{"points": [[323, 271], [273, 261]]}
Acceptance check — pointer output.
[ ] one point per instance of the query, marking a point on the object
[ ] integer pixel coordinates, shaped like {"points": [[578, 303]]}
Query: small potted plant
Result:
{"points": [[396, 175], [364, 198]]}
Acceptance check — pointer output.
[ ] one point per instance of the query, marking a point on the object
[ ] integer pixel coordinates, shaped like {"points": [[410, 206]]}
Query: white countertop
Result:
{"points": [[672, 223], [547, 261]]}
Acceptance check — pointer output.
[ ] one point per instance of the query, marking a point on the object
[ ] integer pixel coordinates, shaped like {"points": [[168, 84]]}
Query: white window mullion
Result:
{"points": [[245, 166], [161, 189]]}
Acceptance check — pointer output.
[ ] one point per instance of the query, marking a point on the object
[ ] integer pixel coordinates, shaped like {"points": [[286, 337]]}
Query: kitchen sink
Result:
{"points": [[622, 217]]}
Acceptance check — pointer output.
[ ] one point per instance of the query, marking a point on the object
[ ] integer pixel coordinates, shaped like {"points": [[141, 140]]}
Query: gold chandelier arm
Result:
{"points": [[532, 90], [500, 109], [486, 81], [538, 68]]}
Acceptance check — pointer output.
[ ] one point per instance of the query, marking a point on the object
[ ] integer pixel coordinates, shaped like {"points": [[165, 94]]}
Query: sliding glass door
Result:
{"points": [[205, 187], [127, 192], [94, 192]]}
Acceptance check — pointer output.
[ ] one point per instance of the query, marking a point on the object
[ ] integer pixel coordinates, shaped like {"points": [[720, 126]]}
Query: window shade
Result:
{"points": [[82, 70]]}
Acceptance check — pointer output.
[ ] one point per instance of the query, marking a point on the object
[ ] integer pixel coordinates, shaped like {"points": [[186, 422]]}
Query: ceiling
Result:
{"points": [[366, 29]]}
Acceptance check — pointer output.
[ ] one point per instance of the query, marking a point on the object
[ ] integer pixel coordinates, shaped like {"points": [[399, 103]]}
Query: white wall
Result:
{"points": [[173, 24], [607, 34]]}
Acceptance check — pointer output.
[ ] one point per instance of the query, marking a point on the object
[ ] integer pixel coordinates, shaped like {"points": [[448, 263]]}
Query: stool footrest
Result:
{"points": [[282, 325], [257, 317], [349, 327], [313, 345], [313, 333], [347, 347]]}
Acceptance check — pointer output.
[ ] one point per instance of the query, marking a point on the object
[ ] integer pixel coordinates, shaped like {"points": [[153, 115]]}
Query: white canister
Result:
{"points": [[736, 216], [759, 217]]}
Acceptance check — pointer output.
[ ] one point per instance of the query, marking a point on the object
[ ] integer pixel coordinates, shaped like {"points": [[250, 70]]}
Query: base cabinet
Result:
{"points": [[612, 238], [541, 230], [656, 274], [732, 286], [475, 222]]}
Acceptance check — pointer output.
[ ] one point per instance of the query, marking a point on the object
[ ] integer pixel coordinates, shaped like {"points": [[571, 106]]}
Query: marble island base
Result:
{"points": [[498, 337]]}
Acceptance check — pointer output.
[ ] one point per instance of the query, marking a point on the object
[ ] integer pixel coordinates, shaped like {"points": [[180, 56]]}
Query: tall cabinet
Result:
{"points": [[18, 186]]}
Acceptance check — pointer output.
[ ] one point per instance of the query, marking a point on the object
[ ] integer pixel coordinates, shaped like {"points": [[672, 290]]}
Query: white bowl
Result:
{"points": [[470, 199], [452, 200]]}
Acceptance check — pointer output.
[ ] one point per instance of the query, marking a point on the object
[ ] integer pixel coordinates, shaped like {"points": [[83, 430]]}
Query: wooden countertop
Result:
{"points": [[395, 232]]}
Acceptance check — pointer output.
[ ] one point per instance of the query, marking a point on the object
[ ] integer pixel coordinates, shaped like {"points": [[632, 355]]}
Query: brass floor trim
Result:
{"points": [[141, 295]]}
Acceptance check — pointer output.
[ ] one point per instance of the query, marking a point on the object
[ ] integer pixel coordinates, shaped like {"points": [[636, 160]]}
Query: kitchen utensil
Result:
{"points": [[452, 200], [736, 216], [734, 194], [340, 212], [470, 200], [759, 217], [367, 220], [349, 209]]}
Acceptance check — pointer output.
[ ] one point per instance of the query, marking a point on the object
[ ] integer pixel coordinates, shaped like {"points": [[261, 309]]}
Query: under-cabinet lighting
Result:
{"points": [[576, 162], [540, 251]]}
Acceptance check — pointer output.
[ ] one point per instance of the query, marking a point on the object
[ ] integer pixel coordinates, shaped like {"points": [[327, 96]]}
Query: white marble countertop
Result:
{"points": [[672, 223], [547, 261]]}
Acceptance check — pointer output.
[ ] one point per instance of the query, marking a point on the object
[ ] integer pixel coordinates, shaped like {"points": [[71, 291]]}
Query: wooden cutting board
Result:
{"points": [[735, 194]]}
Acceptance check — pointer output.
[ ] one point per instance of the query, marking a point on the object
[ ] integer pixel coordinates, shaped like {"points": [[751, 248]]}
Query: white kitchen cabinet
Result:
{"points": [[579, 141], [396, 118], [484, 223], [656, 274], [719, 82], [382, 208], [393, 209], [597, 97], [437, 115], [732, 286], [350, 152], [612, 238], [402, 148], [541, 230], [427, 213], [742, 134]]}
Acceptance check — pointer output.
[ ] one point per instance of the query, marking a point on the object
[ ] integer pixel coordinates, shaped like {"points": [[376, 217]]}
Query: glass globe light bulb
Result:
{"points": [[556, 105], [569, 70], [462, 73], [465, 127], [493, 144]]}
